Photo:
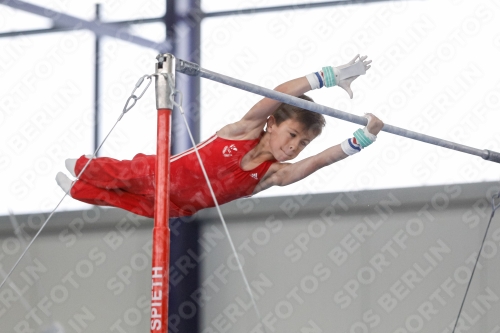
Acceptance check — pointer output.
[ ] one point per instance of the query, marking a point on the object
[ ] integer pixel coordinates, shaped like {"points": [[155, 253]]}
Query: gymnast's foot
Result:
{"points": [[64, 182], [71, 164]]}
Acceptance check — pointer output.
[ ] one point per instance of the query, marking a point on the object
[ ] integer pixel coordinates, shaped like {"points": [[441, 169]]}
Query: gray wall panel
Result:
{"points": [[410, 244], [382, 264]]}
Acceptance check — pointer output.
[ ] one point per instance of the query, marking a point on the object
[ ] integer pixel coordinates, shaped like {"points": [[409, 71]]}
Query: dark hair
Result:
{"points": [[311, 120]]}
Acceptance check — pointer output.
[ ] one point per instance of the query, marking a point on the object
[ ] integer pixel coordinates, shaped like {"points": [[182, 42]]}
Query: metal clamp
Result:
{"points": [[135, 98], [165, 81]]}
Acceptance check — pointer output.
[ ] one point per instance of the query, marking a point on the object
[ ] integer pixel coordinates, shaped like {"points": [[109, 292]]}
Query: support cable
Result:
{"points": [[224, 224], [126, 108], [193, 69], [493, 209]]}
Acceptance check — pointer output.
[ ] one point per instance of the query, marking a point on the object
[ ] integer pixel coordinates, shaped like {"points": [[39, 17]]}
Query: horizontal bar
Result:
{"points": [[193, 69], [67, 21]]}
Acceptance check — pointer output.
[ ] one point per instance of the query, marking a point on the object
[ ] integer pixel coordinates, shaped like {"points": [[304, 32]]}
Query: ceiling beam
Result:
{"points": [[69, 22], [306, 5]]}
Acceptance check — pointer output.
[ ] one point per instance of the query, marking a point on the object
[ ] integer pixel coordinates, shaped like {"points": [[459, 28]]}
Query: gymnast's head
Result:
{"points": [[292, 128]]}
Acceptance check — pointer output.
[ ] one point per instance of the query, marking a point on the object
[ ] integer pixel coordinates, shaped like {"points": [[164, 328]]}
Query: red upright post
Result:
{"points": [[165, 79]]}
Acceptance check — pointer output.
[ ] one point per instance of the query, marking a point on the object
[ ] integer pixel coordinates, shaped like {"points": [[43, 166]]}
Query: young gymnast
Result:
{"points": [[241, 159]]}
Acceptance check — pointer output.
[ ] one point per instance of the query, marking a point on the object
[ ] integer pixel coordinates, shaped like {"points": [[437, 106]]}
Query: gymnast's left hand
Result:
{"points": [[346, 83], [374, 124]]}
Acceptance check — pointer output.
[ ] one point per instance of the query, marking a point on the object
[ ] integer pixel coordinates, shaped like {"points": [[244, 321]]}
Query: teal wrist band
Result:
{"points": [[363, 140], [329, 76]]}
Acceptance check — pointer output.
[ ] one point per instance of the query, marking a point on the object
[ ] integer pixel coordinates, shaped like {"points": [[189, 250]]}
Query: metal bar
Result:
{"points": [[193, 69], [201, 15], [290, 7], [164, 84], [138, 21], [76, 23], [182, 17], [33, 32], [97, 75], [61, 29]]}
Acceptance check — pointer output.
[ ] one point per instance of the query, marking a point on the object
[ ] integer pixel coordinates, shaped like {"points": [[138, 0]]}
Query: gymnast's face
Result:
{"points": [[288, 139]]}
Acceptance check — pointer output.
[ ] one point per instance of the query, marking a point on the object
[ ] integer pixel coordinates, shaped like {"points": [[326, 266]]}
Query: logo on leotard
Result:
{"points": [[228, 150], [254, 175]]}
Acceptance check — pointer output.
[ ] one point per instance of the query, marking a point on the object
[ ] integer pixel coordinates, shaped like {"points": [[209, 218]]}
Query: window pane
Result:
{"points": [[81, 9], [45, 116], [16, 20], [155, 32], [128, 10], [426, 76], [123, 64], [111, 10]]}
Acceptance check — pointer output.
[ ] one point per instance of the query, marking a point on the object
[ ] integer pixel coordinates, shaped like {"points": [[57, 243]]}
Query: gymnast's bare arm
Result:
{"points": [[289, 173], [252, 123], [282, 174]]}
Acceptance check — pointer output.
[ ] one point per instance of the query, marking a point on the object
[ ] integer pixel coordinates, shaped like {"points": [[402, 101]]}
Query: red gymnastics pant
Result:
{"points": [[127, 184]]}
